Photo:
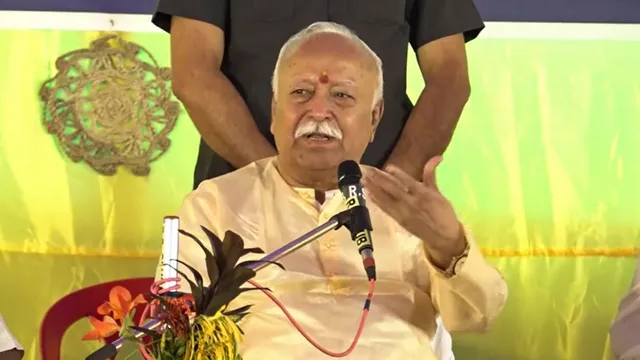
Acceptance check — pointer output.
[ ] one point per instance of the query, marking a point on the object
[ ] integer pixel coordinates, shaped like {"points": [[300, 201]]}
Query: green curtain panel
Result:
{"points": [[543, 168]]}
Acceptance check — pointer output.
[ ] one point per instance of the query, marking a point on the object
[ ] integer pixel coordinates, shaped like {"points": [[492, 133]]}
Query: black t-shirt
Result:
{"points": [[255, 30]]}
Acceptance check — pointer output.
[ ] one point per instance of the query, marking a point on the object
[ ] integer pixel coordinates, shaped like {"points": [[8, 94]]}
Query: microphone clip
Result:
{"points": [[358, 224], [343, 218]]}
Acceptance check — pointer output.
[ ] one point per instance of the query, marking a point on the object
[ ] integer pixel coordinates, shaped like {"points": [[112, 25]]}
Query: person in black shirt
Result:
{"points": [[223, 53]]}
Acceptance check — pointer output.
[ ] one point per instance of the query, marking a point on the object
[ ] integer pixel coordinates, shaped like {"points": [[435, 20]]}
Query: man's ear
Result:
{"points": [[273, 113], [376, 116]]}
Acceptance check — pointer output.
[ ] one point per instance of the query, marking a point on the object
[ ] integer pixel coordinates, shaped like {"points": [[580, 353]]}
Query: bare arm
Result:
{"points": [[430, 126], [214, 105]]}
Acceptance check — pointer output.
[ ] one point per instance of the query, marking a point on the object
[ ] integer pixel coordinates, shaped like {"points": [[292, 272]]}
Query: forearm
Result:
{"points": [[223, 119], [430, 126], [442, 257]]}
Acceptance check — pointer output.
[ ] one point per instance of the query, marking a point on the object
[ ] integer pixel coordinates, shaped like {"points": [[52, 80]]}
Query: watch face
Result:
{"points": [[458, 267]]}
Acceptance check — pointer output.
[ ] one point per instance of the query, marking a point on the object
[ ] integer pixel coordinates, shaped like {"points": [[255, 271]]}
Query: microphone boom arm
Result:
{"points": [[336, 222]]}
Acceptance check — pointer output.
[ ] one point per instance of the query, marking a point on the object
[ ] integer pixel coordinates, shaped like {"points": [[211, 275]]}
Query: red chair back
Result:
{"points": [[81, 304]]}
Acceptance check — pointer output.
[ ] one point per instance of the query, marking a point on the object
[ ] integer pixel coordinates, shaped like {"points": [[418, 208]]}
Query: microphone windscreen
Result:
{"points": [[349, 172]]}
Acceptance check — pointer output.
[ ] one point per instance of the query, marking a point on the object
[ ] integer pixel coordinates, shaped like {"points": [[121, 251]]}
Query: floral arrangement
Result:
{"points": [[193, 326]]}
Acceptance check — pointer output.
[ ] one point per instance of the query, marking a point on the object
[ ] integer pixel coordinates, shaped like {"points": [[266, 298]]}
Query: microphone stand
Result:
{"points": [[334, 223]]}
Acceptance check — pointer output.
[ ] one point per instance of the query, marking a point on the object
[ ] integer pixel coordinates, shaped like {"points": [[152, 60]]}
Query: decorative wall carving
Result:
{"points": [[110, 105]]}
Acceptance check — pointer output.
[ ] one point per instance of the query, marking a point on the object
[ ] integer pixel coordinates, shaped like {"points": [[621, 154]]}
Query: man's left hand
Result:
{"points": [[419, 207]]}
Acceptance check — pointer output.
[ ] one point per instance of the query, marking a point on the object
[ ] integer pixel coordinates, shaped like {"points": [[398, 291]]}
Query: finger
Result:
{"points": [[378, 196], [381, 195], [405, 179], [429, 172], [390, 205], [388, 183]]}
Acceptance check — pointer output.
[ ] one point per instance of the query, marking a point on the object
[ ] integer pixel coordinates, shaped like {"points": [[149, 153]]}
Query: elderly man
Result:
{"points": [[625, 331], [223, 53], [327, 104]]}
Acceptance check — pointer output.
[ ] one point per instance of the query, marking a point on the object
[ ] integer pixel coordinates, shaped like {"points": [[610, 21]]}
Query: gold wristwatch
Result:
{"points": [[457, 262]]}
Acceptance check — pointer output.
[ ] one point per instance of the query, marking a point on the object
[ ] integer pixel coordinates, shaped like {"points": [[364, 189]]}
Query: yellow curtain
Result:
{"points": [[543, 167]]}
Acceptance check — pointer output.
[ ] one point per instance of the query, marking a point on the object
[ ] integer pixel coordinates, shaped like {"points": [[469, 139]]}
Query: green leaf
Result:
{"points": [[179, 349], [216, 245], [160, 299], [129, 336], [232, 247], [225, 298], [254, 250], [240, 329], [196, 275], [127, 322], [194, 238], [194, 287], [208, 294], [237, 318], [197, 293], [230, 280], [235, 279], [238, 310], [209, 257]]}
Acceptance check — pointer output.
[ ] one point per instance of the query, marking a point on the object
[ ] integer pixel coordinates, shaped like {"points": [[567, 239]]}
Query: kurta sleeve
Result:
{"points": [[625, 341], [469, 300]]}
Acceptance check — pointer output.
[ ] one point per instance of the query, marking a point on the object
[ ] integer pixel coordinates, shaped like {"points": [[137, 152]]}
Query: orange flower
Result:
{"points": [[120, 303], [101, 329]]}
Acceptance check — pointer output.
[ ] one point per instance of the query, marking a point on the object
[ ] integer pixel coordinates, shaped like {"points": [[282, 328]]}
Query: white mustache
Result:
{"points": [[325, 128]]}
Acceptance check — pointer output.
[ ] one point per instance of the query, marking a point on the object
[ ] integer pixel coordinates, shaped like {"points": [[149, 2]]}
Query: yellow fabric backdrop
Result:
{"points": [[544, 160]]}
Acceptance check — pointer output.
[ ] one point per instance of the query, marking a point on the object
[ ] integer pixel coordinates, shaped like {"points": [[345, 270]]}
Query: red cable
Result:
{"points": [[363, 319], [157, 290]]}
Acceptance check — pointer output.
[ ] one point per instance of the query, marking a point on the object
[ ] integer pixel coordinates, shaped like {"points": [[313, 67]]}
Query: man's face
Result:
{"points": [[324, 112]]}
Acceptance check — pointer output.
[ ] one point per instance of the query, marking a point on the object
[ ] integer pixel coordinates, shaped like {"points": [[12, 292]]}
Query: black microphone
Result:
{"points": [[359, 225]]}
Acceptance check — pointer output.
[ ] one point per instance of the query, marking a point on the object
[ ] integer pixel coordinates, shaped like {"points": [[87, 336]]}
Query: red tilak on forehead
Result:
{"points": [[324, 78]]}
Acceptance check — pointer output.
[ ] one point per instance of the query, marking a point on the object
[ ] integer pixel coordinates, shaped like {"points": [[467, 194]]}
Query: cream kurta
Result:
{"points": [[324, 285]]}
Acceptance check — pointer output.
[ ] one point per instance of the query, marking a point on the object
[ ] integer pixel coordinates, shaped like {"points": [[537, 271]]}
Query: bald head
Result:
{"points": [[327, 39]]}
